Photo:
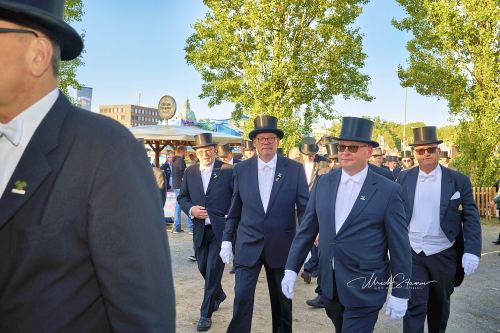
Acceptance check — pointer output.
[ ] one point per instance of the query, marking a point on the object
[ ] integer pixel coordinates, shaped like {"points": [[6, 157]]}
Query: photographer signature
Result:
{"points": [[396, 281]]}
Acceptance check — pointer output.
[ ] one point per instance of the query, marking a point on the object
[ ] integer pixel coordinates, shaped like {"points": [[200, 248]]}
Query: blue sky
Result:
{"points": [[138, 47]]}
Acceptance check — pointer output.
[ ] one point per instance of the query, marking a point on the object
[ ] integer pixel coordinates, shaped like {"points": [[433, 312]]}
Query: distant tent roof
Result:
{"points": [[178, 133]]}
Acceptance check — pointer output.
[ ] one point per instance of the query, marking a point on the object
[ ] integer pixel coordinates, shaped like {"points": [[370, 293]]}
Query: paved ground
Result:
{"points": [[475, 306]]}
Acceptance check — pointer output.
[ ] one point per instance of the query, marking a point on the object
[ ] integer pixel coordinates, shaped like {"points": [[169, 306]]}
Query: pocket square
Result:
{"points": [[456, 195]]}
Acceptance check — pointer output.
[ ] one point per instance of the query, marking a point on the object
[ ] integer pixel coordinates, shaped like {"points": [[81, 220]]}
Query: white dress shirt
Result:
{"points": [[231, 161], [206, 173], [266, 175], [347, 194], [425, 228], [29, 120], [308, 168]]}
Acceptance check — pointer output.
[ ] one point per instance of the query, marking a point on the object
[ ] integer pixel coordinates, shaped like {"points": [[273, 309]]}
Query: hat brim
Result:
{"points": [[309, 153], [421, 143], [276, 131], [374, 144], [202, 146], [63, 34]]}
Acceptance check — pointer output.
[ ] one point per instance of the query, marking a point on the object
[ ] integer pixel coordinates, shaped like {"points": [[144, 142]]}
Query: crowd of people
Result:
{"points": [[82, 235]]}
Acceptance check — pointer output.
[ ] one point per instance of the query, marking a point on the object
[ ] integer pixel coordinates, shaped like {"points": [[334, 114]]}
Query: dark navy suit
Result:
{"points": [[382, 171], [375, 225], [459, 220], [264, 238], [207, 239], [84, 249]]}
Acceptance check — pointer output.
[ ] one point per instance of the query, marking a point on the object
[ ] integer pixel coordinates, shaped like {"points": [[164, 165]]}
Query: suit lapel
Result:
{"points": [[279, 176], [254, 179], [334, 186], [314, 175], [411, 187], [34, 167], [366, 193], [215, 175], [446, 191]]}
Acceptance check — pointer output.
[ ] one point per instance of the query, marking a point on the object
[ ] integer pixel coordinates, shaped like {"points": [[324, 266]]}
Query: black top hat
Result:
{"points": [[377, 152], [390, 158], [223, 149], [247, 145], [357, 129], [332, 150], [326, 139], [47, 17], [203, 140], [406, 154], [425, 135], [265, 124], [443, 154], [308, 146]]}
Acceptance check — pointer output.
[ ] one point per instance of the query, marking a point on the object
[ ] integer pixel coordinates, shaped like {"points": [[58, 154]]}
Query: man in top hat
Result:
{"points": [[332, 153], [377, 157], [444, 230], [205, 196], [83, 243], [360, 217], [444, 159], [313, 167], [407, 159], [248, 149], [268, 191], [225, 153], [392, 163], [376, 165]]}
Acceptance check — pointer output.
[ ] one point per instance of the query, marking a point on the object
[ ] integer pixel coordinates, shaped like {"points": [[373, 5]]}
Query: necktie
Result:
{"points": [[424, 178], [13, 131]]}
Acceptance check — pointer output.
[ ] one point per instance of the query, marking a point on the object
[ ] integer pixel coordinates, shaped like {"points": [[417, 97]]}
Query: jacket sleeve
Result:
{"points": [[128, 244], [398, 243], [184, 198], [302, 194], [234, 213], [470, 219]]}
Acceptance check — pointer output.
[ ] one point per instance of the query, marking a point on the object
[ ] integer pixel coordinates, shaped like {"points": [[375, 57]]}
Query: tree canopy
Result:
{"points": [[287, 58], [454, 54]]}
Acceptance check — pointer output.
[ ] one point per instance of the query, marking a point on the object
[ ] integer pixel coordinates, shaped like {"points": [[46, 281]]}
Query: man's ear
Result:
{"points": [[40, 56]]}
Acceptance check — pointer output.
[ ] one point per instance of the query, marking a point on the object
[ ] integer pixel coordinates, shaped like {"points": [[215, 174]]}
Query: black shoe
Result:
{"points": [[219, 300], [192, 258], [316, 302], [497, 242], [204, 324], [233, 270], [306, 276], [176, 231], [314, 274]]}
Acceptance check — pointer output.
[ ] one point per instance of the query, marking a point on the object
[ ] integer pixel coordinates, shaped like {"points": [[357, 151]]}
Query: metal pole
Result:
{"points": [[404, 127]]}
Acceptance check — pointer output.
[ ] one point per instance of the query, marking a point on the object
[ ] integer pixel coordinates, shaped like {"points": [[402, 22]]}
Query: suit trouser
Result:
{"points": [[211, 268], [431, 299], [350, 319], [244, 293]]}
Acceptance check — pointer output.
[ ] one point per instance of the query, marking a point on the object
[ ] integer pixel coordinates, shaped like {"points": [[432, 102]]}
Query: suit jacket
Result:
{"points": [[320, 167], [168, 171], [84, 249], [459, 218], [375, 225], [396, 172], [217, 199], [271, 231], [178, 168], [382, 171]]}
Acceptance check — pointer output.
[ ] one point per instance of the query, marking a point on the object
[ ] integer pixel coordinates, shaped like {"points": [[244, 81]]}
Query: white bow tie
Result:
{"points": [[13, 131], [348, 179], [423, 178], [204, 168]]}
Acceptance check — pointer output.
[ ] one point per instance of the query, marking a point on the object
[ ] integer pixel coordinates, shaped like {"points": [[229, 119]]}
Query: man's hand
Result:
{"points": [[226, 252], [396, 307], [470, 263], [288, 283], [316, 241], [199, 212]]}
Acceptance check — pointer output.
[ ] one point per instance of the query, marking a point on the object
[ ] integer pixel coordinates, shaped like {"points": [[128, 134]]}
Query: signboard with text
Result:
{"points": [[167, 107]]}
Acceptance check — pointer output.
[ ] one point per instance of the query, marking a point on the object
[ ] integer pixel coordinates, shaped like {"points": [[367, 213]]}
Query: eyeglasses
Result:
{"points": [[270, 139], [406, 160], [429, 150], [353, 148], [18, 31]]}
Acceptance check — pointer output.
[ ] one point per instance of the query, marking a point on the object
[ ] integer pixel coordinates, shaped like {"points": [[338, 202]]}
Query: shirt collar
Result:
{"points": [[434, 174], [210, 167], [271, 164], [358, 178]]}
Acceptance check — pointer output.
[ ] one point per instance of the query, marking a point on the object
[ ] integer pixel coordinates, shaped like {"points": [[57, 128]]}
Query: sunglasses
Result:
{"points": [[429, 150], [352, 148]]}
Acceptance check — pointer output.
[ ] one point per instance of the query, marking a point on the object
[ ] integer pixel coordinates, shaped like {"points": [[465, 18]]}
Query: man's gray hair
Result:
{"points": [[56, 58]]}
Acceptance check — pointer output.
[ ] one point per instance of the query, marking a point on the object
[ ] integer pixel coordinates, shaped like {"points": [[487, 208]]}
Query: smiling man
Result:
{"points": [[268, 191], [359, 215]]}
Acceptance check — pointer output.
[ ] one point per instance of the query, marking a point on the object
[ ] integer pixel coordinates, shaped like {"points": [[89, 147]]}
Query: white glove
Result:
{"points": [[470, 263], [288, 283], [226, 252], [396, 307]]}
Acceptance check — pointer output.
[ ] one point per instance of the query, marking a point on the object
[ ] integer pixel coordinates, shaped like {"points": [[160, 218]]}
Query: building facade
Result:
{"points": [[131, 115]]}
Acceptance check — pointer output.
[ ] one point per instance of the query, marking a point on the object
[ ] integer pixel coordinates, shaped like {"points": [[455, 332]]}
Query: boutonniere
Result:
{"points": [[362, 198], [278, 177], [19, 187], [214, 175]]}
